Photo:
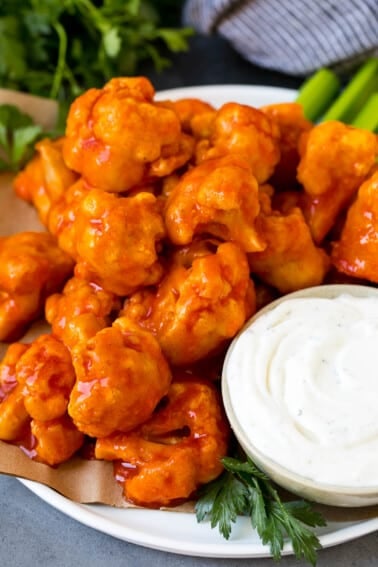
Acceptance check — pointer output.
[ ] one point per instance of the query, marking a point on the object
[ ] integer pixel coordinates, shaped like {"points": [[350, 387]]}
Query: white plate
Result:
{"points": [[220, 94], [179, 532]]}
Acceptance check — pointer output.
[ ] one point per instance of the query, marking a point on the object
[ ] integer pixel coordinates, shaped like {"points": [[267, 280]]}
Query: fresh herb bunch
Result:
{"points": [[18, 134], [244, 490], [58, 48]]}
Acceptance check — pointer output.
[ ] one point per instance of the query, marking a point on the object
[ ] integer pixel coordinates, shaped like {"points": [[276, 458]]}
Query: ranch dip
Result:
{"points": [[303, 384]]}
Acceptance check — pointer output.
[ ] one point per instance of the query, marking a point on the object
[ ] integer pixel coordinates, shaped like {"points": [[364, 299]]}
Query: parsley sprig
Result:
{"points": [[243, 489], [18, 133], [59, 48]]}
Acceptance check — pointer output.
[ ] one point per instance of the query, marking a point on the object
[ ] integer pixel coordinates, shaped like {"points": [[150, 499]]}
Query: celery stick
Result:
{"points": [[317, 93], [368, 116], [355, 94]]}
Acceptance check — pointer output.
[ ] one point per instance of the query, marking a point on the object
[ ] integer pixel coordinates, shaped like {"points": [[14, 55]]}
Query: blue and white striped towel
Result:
{"points": [[292, 36]]}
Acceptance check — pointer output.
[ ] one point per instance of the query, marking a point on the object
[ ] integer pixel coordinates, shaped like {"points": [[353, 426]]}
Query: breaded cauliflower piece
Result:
{"points": [[45, 179], [54, 441], [31, 268], [356, 252], [117, 240], [35, 383], [292, 124], [291, 260], [80, 311], [118, 137], [121, 377], [178, 449], [335, 160], [13, 416], [245, 131], [197, 308], [195, 115], [217, 197], [47, 376]]}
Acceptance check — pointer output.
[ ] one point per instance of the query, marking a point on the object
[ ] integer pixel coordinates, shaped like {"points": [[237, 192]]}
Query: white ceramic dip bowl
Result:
{"points": [[300, 389]]}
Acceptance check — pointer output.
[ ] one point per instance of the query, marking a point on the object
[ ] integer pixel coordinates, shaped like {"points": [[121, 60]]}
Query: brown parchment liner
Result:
{"points": [[80, 480]]}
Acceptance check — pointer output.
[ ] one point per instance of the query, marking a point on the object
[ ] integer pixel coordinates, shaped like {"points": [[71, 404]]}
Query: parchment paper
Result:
{"points": [[80, 480]]}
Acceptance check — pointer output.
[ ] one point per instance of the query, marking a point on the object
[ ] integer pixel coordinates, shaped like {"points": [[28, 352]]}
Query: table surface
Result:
{"points": [[31, 532]]}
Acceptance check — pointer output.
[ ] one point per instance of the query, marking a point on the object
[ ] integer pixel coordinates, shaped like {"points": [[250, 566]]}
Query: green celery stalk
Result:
{"points": [[317, 93], [368, 116], [355, 94]]}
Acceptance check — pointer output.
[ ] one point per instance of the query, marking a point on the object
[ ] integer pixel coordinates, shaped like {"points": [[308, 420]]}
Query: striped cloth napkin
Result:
{"points": [[292, 36]]}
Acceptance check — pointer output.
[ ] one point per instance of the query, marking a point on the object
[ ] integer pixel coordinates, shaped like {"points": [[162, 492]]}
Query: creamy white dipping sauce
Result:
{"points": [[302, 382]]}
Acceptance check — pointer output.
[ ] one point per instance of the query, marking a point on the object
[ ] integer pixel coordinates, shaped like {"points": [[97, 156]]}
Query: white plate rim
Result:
{"points": [[257, 95], [94, 517]]}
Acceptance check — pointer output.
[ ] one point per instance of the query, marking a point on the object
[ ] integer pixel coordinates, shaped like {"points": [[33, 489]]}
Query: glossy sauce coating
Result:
{"points": [[197, 309], [121, 377], [180, 220], [117, 137], [247, 132], [166, 459], [355, 253], [335, 160], [31, 267], [218, 197]]}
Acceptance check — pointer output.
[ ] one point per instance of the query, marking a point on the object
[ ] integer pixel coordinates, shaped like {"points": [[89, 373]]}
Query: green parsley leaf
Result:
{"points": [[174, 41], [23, 139], [243, 489], [221, 503], [18, 134], [60, 48], [112, 42], [13, 55]]}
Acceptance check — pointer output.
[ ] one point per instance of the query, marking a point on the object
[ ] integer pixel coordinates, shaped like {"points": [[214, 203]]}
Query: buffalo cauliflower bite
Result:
{"points": [[195, 115], [117, 137], [197, 309], [121, 377], [290, 261], [30, 185], [14, 418], [31, 267], [61, 220], [218, 197], [166, 459], [53, 442], [8, 379], [335, 160], [13, 415], [245, 131], [292, 123], [80, 311], [356, 252], [116, 240], [45, 179], [46, 375], [35, 383]]}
